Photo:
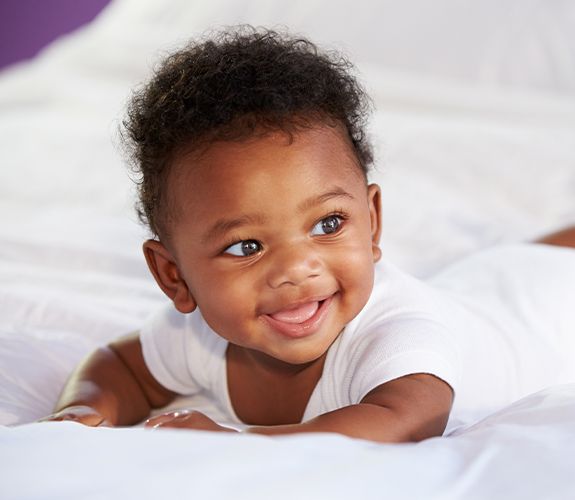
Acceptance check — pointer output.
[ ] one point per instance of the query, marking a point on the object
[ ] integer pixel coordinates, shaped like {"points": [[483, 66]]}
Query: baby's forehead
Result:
{"points": [[237, 173], [314, 144]]}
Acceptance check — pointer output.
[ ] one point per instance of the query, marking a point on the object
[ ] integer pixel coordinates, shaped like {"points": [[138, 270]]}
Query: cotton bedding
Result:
{"points": [[472, 151]]}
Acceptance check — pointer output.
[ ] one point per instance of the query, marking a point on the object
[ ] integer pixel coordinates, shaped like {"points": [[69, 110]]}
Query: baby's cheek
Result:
{"points": [[228, 306], [358, 279]]}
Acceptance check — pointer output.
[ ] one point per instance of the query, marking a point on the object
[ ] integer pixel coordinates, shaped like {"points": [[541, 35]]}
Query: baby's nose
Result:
{"points": [[292, 265]]}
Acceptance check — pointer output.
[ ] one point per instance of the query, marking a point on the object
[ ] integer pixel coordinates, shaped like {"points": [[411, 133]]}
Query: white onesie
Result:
{"points": [[495, 326]]}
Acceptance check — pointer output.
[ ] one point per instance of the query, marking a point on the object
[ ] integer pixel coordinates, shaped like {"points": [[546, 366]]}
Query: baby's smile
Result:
{"points": [[301, 320]]}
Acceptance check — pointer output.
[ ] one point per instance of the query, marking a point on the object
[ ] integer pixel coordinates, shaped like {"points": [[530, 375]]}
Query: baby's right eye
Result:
{"points": [[244, 248]]}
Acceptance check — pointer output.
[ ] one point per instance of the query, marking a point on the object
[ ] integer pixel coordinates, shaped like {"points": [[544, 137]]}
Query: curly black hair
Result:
{"points": [[228, 86]]}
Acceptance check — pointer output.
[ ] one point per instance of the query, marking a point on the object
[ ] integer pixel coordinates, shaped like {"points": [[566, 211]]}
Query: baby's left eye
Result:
{"points": [[329, 225], [244, 248]]}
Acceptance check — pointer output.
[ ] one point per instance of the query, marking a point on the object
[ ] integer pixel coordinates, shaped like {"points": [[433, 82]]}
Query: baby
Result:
{"points": [[253, 164]]}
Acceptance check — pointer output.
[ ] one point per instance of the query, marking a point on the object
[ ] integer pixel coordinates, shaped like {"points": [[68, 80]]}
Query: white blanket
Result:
{"points": [[524, 452], [474, 150]]}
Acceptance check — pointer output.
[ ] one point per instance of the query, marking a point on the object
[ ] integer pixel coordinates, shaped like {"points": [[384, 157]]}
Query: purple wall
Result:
{"points": [[27, 25]]}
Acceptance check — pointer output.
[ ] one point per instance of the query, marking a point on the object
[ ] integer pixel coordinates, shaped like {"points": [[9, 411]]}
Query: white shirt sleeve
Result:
{"points": [[405, 346], [399, 332], [178, 350], [403, 332]]}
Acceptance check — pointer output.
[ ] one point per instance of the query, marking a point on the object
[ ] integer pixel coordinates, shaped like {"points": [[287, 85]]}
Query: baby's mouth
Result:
{"points": [[298, 314], [301, 320]]}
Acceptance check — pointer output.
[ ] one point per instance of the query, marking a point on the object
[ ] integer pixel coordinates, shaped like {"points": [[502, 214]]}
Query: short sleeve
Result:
{"points": [[401, 331], [405, 347], [167, 346]]}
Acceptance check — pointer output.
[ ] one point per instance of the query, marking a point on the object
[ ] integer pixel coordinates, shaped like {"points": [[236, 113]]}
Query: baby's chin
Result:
{"points": [[294, 359], [303, 360]]}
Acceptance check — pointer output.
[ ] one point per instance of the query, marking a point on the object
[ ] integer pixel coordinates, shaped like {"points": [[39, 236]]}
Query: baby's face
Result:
{"points": [[276, 241]]}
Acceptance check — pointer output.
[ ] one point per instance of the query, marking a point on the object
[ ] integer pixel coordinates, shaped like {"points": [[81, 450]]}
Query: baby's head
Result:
{"points": [[236, 84], [253, 161]]}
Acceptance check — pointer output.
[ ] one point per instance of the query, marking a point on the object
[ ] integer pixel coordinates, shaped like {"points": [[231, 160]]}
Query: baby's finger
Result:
{"points": [[165, 418], [81, 414], [186, 419]]}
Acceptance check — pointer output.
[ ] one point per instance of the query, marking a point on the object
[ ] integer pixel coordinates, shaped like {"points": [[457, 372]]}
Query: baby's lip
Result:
{"points": [[297, 314], [297, 307], [301, 319]]}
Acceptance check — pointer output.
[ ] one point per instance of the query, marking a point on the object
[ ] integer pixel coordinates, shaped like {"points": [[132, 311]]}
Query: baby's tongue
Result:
{"points": [[298, 314]]}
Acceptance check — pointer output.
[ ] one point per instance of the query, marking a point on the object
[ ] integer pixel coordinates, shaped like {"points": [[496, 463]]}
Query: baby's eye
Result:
{"points": [[244, 248], [329, 225]]}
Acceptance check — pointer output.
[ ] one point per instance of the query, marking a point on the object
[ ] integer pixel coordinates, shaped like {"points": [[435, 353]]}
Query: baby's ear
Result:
{"points": [[374, 200], [167, 275]]}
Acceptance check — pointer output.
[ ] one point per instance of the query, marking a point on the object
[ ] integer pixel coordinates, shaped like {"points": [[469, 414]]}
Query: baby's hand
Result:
{"points": [[186, 419], [81, 414]]}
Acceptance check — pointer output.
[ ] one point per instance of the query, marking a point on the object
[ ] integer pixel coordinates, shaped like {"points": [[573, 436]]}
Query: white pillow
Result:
{"points": [[523, 43]]}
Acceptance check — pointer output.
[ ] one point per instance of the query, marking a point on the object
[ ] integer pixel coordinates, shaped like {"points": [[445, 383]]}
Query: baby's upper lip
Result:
{"points": [[296, 303]]}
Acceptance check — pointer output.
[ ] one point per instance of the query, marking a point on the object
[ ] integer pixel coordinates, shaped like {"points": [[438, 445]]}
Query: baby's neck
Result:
{"points": [[266, 391], [267, 365]]}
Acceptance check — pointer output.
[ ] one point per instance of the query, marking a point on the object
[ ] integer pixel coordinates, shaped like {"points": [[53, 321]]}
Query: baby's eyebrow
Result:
{"points": [[313, 201], [223, 226]]}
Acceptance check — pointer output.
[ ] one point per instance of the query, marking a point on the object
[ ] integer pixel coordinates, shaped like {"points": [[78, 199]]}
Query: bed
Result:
{"points": [[474, 127]]}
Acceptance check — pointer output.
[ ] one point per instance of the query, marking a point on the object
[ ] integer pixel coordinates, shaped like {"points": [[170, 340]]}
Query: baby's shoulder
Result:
{"points": [[397, 297], [402, 314]]}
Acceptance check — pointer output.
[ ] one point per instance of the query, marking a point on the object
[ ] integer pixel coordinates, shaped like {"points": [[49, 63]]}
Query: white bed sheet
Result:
{"points": [[525, 451], [465, 161]]}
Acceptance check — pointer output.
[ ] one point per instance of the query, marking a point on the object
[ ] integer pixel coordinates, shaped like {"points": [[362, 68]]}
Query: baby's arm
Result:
{"points": [[112, 386], [410, 408]]}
